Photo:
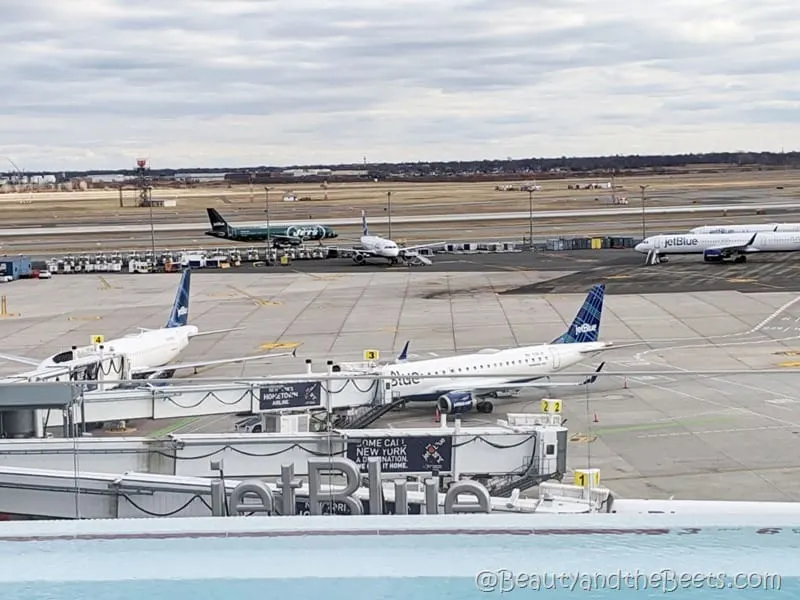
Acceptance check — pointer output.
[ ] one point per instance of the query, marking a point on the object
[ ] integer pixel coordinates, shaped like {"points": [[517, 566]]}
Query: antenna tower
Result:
{"points": [[143, 181]]}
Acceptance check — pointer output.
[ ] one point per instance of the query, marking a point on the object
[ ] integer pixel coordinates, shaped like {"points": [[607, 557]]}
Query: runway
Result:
{"points": [[499, 231], [106, 229]]}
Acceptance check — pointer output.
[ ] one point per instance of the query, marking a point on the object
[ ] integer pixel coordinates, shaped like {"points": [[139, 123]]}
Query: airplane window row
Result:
{"points": [[529, 360]]}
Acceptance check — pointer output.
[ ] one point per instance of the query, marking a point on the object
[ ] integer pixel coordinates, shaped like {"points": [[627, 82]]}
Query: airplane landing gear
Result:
{"points": [[740, 259]]}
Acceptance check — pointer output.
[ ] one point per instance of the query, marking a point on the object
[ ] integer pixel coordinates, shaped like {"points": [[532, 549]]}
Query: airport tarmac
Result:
{"points": [[656, 435], [624, 272]]}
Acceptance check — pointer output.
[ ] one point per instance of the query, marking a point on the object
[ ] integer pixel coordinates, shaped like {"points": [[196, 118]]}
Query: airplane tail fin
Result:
{"points": [[218, 223], [179, 316], [364, 228], [403, 356], [586, 326]]}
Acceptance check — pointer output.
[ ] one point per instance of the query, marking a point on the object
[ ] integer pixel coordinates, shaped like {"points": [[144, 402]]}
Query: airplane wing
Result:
{"points": [[604, 347], [488, 386], [418, 246], [216, 331], [213, 363], [735, 247], [286, 238], [354, 250], [21, 359]]}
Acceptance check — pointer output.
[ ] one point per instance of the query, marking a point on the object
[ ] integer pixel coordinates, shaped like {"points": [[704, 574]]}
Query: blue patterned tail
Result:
{"points": [[586, 326], [180, 309]]}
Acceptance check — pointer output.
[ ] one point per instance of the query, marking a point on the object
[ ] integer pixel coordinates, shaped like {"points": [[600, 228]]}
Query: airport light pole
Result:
{"points": [[644, 218], [530, 218], [152, 226], [266, 210], [389, 211]]}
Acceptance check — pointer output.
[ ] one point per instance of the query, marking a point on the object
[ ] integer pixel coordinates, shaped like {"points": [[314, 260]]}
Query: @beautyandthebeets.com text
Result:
{"points": [[664, 581]]}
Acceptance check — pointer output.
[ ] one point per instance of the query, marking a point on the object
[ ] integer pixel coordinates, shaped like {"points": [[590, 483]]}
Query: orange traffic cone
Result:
{"points": [[595, 420], [436, 415]]}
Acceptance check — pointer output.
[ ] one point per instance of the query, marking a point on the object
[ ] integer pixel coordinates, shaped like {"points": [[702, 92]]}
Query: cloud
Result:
{"points": [[96, 83]]}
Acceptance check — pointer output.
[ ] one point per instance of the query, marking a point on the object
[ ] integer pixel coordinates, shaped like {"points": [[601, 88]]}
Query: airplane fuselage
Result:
{"points": [[491, 366], [379, 247], [292, 234], [143, 351], [701, 242], [751, 228]]}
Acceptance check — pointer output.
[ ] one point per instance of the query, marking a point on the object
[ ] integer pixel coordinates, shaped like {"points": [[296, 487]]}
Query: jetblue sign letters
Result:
{"points": [[255, 497], [290, 395], [669, 242], [404, 378], [404, 454]]}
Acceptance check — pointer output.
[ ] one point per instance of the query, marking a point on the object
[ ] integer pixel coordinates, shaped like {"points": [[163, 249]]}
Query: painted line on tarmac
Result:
{"points": [[710, 431], [779, 311], [706, 401], [650, 426]]}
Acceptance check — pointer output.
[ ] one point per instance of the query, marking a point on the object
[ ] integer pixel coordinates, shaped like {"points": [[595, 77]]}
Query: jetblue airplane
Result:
{"points": [[717, 247], [751, 228], [495, 373], [150, 351]]}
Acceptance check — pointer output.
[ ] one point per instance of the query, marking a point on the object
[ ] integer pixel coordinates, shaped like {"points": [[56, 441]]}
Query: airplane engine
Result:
{"points": [[712, 256], [454, 403], [359, 259]]}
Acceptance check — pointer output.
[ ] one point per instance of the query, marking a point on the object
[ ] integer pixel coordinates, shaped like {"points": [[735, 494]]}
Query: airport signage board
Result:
{"points": [[282, 396], [402, 454]]}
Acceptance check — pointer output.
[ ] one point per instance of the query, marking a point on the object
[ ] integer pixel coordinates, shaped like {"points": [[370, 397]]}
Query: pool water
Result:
{"points": [[711, 563], [390, 588]]}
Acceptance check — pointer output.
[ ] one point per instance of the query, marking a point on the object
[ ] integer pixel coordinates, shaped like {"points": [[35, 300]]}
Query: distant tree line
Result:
{"points": [[539, 168]]}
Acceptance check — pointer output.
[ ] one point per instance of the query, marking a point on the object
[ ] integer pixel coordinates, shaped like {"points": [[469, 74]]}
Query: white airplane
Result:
{"points": [[751, 228], [375, 246], [717, 247], [150, 351], [459, 383]]}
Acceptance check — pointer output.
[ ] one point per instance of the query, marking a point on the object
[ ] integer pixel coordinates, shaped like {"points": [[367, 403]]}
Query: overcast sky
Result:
{"points": [[96, 83]]}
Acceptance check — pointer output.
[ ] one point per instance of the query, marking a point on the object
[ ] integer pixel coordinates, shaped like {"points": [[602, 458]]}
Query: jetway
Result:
{"points": [[91, 401], [524, 448]]}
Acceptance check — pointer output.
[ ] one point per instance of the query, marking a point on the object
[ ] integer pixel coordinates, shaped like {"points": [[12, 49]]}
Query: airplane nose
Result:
{"points": [[640, 247]]}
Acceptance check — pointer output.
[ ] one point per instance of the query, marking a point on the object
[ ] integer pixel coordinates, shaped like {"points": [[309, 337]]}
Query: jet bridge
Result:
{"points": [[498, 455], [92, 403]]}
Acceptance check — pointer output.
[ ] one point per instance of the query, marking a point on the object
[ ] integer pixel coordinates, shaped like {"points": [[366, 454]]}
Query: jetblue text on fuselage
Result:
{"points": [[404, 379], [680, 242]]}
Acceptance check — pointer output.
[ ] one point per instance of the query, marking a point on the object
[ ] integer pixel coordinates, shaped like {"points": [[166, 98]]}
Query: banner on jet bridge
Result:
{"points": [[300, 394], [404, 454]]}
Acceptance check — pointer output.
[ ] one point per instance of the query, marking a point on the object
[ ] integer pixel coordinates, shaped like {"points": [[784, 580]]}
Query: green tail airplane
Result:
{"points": [[286, 235]]}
